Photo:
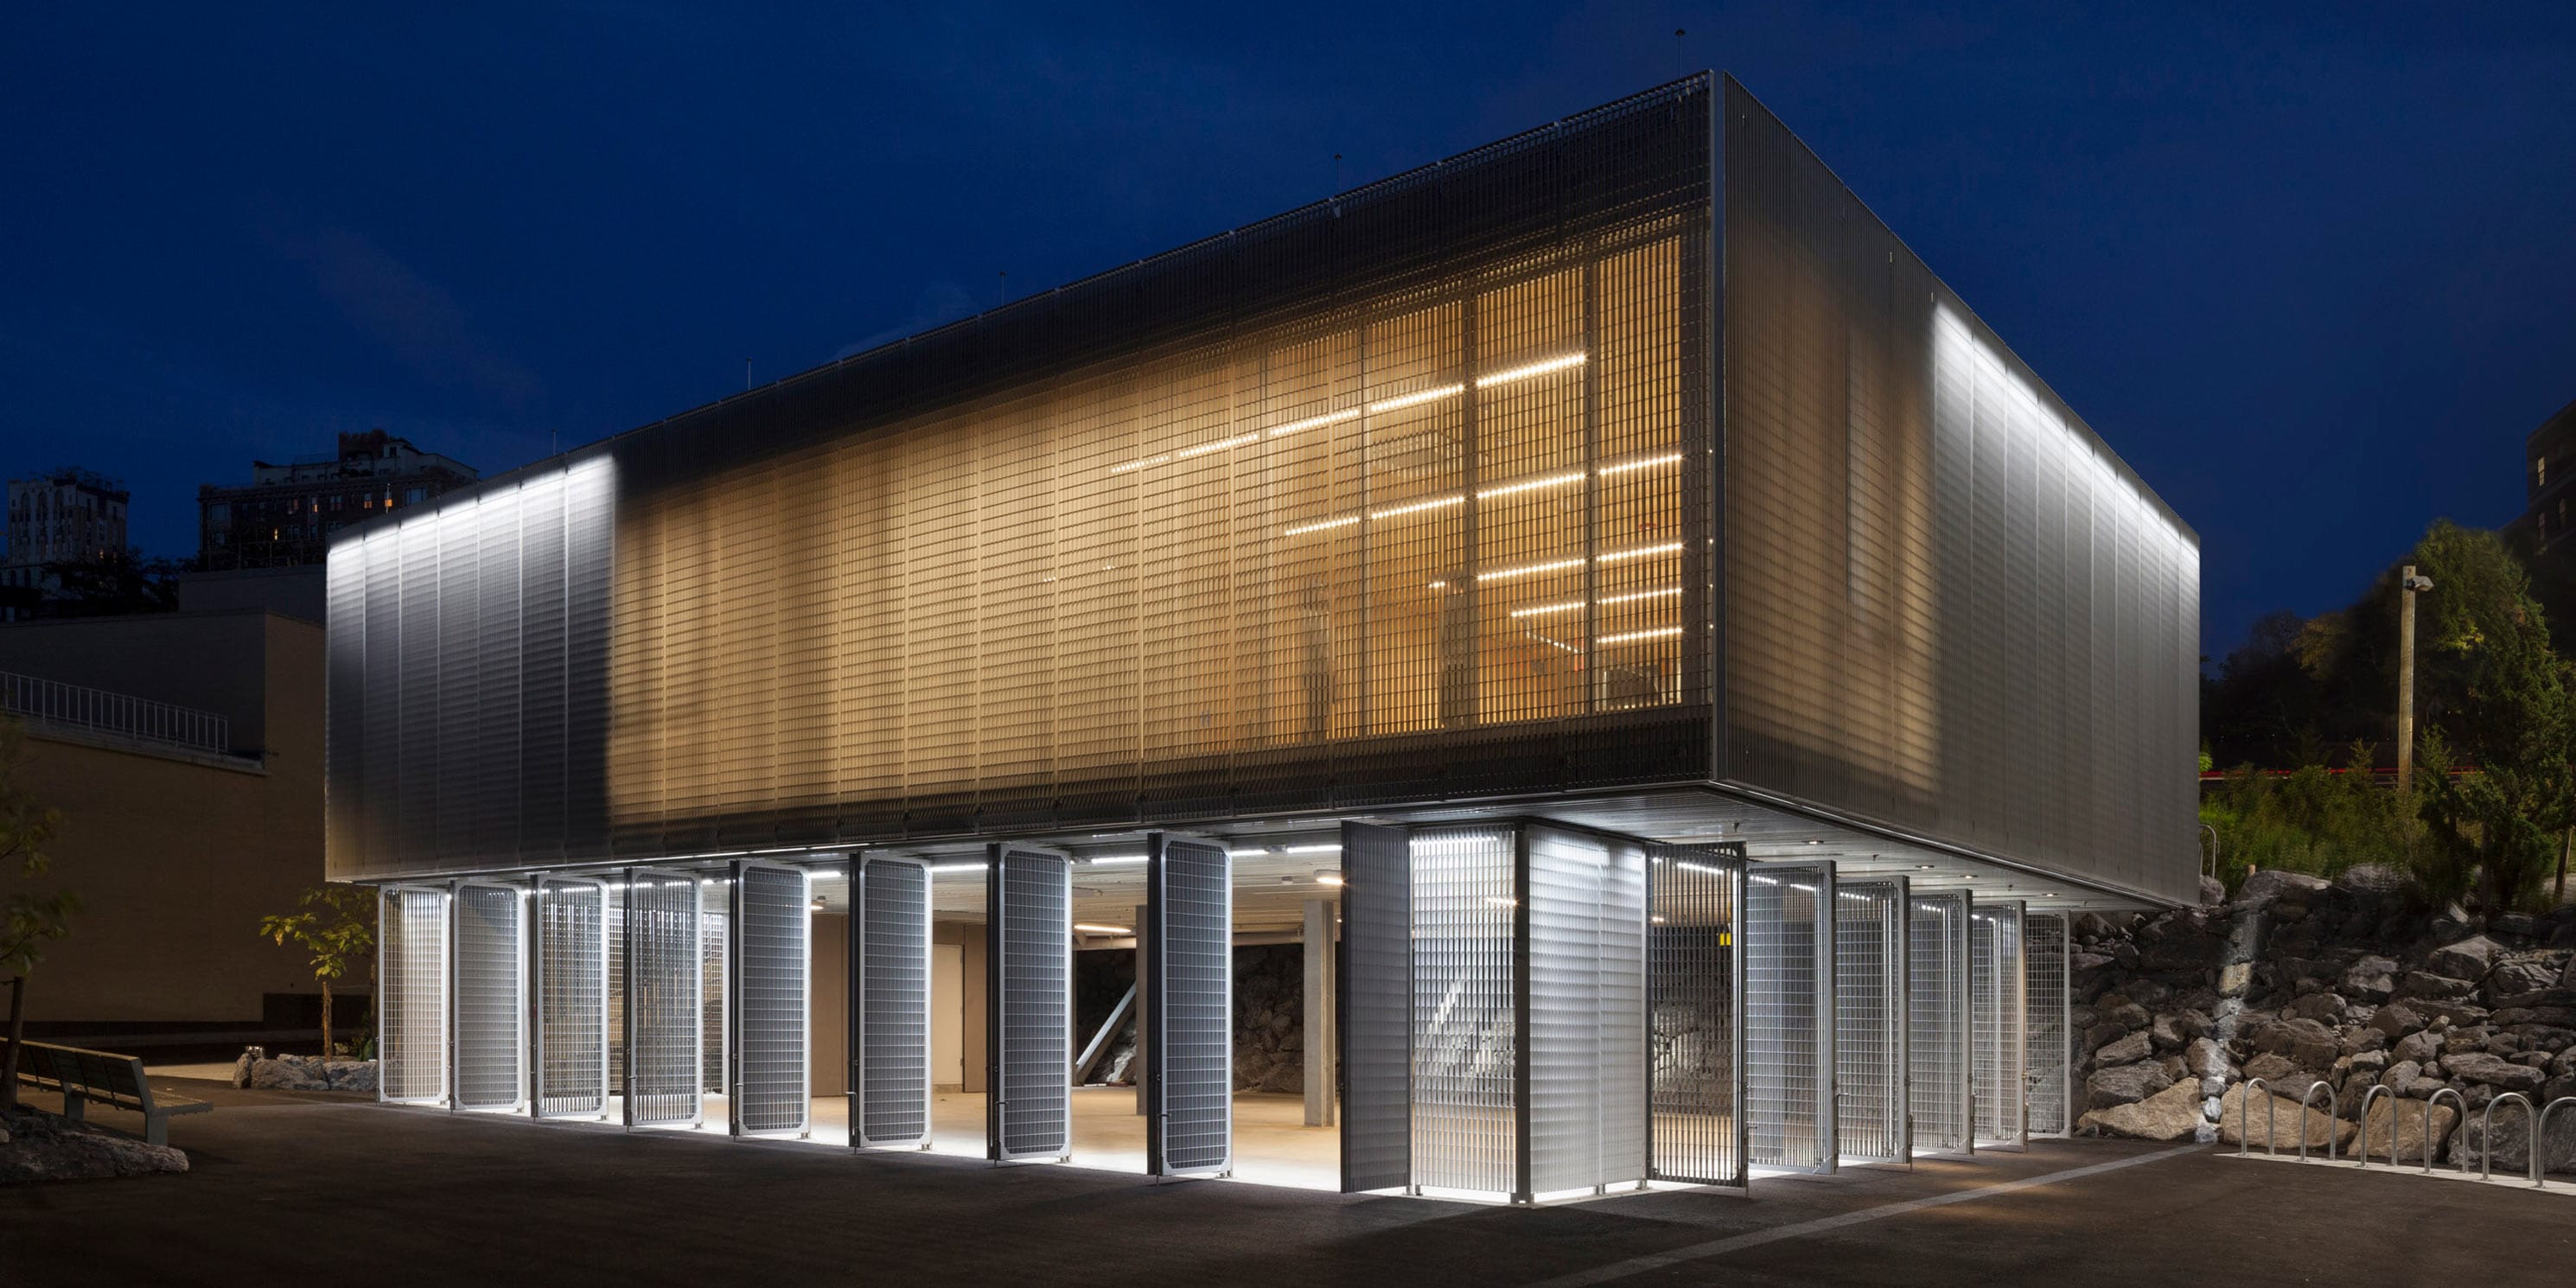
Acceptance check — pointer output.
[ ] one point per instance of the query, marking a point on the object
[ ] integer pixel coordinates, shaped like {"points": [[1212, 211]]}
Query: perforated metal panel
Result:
{"points": [[411, 986], [893, 988], [773, 954], [715, 948], [1375, 1007], [1937, 1022], [664, 1000], [1465, 1012], [491, 995], [1998, 1003], [1029, 904], [571, 987], [617, 984], [1586, 1038], [1870, 1072], [1189, 1004], [1692, 958], [1789, 1014], [2051, 1058]]}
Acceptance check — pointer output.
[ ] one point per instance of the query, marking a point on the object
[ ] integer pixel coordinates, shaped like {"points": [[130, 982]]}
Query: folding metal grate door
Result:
{"points": [[491, 957], [571, 987], [890, 1066], [1937, 1022], [1189, 1007], [1583, 986], [1789, 1015], [770, 1036], [1466, 1040], [2051, 1058], [1693, 960], [1869, 1019], [1375, 1006], [1028, 905], [714, 916], [1997, 1007], [616, 931], [664, 1000], [411, 979]]}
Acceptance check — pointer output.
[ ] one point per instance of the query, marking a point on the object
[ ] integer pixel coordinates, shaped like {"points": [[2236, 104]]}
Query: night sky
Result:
{"points": [[2314, 279]]}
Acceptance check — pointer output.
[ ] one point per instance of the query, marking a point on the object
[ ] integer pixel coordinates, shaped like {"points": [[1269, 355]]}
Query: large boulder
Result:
{"points": [[2397, 1019], [2125, 1085], [2492, 1071], [2205, 1059], [2118, 1009], [2522, 973], [2170, 1114], [2420, 1047], [2469, 959], [2324, 1008], [2279, 1121], [45, 1147], [2372, 979], [2433, 987], [2513, 1141], [2408, 1116], [2272, 884], [287, 1073], [2127, 1050], [2305, 1043]]}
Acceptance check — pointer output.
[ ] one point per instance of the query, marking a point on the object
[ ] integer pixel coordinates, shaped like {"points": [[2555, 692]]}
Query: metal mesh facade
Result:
{"points": [[1789, 1015], [1691, 962], [617, 984], [1949, 607], [1870, 921], [2051, 1058], [714, 950], [411, 994], [893, 1064], [664, 1000], [1414, 486], [1029, 901], [491, 995], [1937, 1021], [1586, 1001], [1997, 1006], [773, 954], [571, 986], [1374, 1007], [1189, 1002], [1466, 1047]]}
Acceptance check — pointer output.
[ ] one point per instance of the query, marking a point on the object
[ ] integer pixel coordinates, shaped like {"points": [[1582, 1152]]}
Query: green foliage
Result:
{"points": [[30, 917], [2313, 820], [115, 584], [337, 925]]}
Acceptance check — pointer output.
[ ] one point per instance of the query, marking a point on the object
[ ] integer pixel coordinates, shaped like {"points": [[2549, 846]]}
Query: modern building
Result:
{"points": [[2549, 453], [67, 515], [288, 513], [184, 751], [1669, 663]]}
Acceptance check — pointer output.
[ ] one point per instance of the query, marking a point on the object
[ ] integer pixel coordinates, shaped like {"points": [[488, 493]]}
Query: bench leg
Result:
{"points": [[156, 1128]]}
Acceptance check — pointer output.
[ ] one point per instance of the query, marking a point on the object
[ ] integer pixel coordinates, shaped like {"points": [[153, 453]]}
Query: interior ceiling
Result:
{"points": [[1281, 864]]}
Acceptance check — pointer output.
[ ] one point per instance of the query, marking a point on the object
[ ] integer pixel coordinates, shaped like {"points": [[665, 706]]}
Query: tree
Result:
{"points": [[115, 584], [29, 918], [335, 923]]}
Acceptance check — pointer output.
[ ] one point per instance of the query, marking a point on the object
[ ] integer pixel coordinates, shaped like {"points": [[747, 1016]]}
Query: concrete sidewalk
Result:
{"points": [[412, 1195]]}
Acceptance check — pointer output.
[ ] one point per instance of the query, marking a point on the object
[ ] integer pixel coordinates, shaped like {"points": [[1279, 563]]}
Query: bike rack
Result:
{"points": [[2366, 1097], [2245, 1118], [2434, 1099], [2486, 1129], [2333, 1124], [2540, 1138]]}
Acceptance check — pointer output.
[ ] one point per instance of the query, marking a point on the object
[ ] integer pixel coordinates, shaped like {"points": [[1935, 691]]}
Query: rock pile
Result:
{"points": [[38, 1146], [303, 1073], [2325, 990]]}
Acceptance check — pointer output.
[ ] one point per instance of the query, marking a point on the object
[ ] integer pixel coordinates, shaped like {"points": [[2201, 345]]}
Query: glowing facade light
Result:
{"points": [[1533, 485], [1642, 552], [1314, 422], [1090, 929], [1415, 399], [1550, 610], [1416, 507], [1530, 371], [1632, 637]]}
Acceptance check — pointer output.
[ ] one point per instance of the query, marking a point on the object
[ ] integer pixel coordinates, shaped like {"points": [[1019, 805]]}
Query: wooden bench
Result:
{"points": [[109, 1079]]}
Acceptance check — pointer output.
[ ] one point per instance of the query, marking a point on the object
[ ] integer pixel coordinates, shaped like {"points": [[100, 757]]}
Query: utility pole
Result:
{"points": [[2408, 586]]}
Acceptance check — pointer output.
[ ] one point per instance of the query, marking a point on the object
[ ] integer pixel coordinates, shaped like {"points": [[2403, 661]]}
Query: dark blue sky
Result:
{"points": [[2314, 276]]}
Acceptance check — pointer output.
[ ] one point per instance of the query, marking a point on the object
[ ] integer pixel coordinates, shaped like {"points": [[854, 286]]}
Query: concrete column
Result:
{"points": [[1318, 1011], [1136, 1063]]}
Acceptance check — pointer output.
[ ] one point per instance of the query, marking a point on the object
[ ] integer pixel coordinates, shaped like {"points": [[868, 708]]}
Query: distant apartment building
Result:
{"points": [[285, 516], [59, 516], [2549, 456]]}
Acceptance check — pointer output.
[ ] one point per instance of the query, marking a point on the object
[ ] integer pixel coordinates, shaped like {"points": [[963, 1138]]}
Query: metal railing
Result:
{"points": [[2535, 1117], [51, 702]]}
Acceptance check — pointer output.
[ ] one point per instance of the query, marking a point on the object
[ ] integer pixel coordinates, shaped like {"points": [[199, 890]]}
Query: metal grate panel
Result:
{"points": [[411, 980], [617, 983], [1375, 1008], [1937, 1021], [1692, 952], [491, 995], [1189, 1002], [1465, 1040], [893, 1064], [664, 1000], [713, 941], [1029, 902], [1869, 1019], [1585, 1047], [1789, 1014], [773, 953], [2051, 1058], [1997, 1006], [571, 987]]}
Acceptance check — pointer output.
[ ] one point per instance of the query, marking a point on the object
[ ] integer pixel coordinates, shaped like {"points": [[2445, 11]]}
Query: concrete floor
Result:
{"points": [[287, 1186]]}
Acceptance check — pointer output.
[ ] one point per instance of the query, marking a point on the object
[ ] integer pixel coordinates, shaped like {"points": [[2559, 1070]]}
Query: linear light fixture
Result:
{"points": [[1549, 610], [1400, 402], [1304, 528], [1542, 367], [1566, 478], [1415, 399], [1533, 485], [1668, 592], [1631, 467], [1631, 637], [1315, 422], [1115, 860], [1090, 929]]}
